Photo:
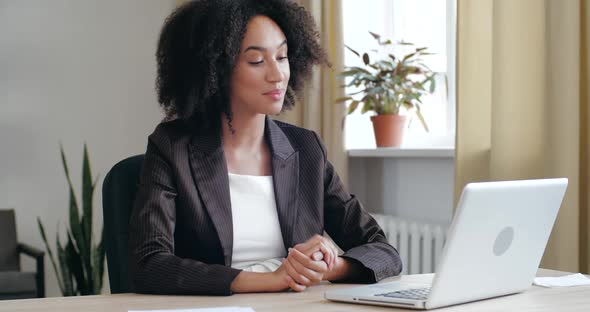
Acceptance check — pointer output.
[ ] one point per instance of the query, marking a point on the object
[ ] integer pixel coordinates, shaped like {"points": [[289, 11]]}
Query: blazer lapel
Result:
{"points": [[209, 170], [285, 169]]}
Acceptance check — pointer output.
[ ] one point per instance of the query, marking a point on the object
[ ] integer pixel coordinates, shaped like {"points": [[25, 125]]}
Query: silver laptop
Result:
{"points": [[494, 248]]}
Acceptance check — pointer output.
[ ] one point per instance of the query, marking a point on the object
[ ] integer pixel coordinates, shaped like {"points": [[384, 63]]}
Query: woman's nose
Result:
{"points": [[274, 73]]}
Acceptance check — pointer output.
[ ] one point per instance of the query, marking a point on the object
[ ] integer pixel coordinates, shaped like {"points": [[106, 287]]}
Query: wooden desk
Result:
{"points": [[534, 299]]}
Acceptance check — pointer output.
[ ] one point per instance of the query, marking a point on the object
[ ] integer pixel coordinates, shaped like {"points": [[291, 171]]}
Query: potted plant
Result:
{"points": [[389, 86], [81, 259]]}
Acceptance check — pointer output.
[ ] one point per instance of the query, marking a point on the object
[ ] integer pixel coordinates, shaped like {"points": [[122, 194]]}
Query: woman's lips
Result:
{"points": [[275, 94]]}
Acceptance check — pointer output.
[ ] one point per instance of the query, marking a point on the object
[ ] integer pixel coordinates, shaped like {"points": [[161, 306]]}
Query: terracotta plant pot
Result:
{"points": [[389, 130]]}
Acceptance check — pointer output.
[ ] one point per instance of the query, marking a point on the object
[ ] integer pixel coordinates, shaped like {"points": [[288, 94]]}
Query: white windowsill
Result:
{"points": [[404, 152]]}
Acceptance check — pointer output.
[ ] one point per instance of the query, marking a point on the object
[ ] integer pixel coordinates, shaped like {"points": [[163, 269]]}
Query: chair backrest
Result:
{"points": [[118, 194], [9, 258]]}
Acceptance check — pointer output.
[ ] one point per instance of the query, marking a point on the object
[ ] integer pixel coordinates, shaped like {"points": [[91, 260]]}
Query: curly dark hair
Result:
{"points": [[200, 42]]}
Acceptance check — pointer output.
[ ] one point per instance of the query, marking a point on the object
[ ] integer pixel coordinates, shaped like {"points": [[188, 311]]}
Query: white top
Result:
{"points": [[258, 242]]}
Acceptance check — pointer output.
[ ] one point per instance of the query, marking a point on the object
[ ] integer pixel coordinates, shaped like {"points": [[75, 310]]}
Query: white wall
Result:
{"points": [[72, 72], [411, 188]]}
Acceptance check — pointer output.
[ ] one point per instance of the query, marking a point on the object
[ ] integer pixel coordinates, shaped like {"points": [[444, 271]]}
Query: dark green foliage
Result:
{"points": [[81, 261]]}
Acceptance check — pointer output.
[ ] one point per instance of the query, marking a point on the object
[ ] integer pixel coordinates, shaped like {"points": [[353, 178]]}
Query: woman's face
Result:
{"points": [[261, 73]]}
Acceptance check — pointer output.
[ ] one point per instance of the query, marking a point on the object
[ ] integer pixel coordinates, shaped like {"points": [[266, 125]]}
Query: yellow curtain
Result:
{"points": [[318, 111], [522, 106]]}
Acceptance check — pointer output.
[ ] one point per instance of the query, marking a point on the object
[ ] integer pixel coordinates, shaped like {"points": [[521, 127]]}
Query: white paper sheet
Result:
{"points": [[221, 309], [562, 281]]}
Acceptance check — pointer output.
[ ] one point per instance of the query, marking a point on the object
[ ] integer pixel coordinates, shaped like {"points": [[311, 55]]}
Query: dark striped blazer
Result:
{"points": [[180, 232]]}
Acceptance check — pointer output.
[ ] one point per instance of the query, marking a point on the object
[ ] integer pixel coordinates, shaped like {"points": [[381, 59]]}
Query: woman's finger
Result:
{"points": [[328, 255], [313, 276], [315, 266], [297, 276], [336, 253], [294, 286], [320, 246]]}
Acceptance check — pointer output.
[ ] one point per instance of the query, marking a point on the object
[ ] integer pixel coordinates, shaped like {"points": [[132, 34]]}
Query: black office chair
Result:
{"points": [[118, 194], [15, 284]]}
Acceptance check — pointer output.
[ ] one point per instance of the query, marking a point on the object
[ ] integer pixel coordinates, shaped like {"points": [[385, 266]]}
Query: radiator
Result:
{"points": [[419, 244]]}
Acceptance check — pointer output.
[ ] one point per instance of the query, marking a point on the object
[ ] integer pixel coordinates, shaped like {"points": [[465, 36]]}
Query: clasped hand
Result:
{"points": [[308, 263]]}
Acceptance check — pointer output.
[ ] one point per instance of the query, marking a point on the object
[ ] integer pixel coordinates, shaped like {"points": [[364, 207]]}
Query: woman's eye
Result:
{"points": [[256, 63], [282, 58]]}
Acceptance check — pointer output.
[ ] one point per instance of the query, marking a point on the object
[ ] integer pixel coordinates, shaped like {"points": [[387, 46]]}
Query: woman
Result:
{"points": [[230, 200]]}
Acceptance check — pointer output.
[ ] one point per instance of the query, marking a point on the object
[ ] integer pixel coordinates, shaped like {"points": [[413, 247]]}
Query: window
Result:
{"points": [[425, 23]]}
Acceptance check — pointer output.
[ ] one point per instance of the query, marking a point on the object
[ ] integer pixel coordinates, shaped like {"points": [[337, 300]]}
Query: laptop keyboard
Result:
{"points": [[416, 294]]}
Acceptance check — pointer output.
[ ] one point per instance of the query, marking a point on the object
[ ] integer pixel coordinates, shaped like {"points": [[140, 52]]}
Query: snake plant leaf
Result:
{"points": [[95, 181], [87, 193], [67, 171], [76, 226], [98, 264], [86, 225], [73, 205], [75, 265], [66, 274], [81, 263], [50, 253]]}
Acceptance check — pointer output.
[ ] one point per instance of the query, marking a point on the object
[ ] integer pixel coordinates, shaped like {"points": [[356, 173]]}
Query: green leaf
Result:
{"points": [[352, 107], [74, 263], [408, 56], [432, 84], [81, 263], [375, 90], [376, 36], [419, 114], [353, 51], [51, 257], [98, 265], [66, 275], [87, 194], [366, 59], [367, 105], [76, 224], [407, 104], [343, 99], [387, 64], [348, 73]]}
